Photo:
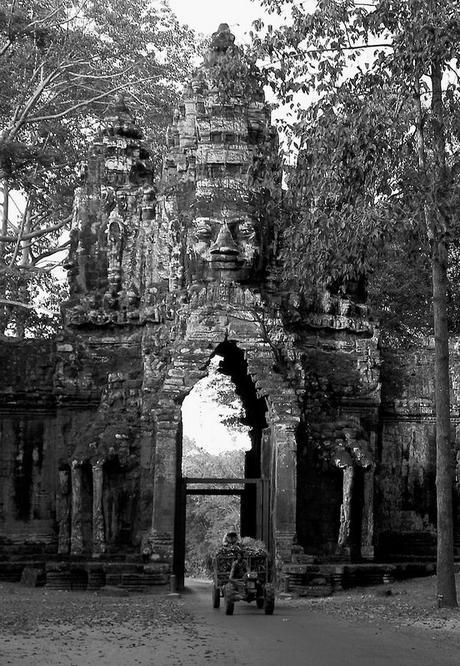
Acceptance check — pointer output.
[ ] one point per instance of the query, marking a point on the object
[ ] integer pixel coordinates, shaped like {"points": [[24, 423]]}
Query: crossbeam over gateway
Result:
{"points": [[216, 481]]}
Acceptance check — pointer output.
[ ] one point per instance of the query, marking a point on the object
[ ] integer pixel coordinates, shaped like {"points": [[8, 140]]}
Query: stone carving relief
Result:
{"points": [[224, 248]]}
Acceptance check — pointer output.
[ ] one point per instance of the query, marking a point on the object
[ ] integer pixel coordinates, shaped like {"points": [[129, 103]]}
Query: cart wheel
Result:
{"points": [[269, 600], [229, 603], [215, 596]]}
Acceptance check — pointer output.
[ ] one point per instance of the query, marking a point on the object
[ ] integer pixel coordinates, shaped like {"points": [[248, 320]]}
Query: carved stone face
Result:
{"points": [[225, 249]]}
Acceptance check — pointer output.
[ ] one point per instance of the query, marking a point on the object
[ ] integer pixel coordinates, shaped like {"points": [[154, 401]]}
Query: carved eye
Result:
{"points": [[246, 229], [203, 230]]}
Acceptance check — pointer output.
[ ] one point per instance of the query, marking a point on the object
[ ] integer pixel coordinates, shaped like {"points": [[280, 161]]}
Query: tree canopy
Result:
{"points": [[61, 63], [378, 168], [356, 80]]}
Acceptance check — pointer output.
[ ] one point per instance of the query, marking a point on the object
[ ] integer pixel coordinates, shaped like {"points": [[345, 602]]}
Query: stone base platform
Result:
{"points": [[81, 574], [317, 580], [302, 579]]}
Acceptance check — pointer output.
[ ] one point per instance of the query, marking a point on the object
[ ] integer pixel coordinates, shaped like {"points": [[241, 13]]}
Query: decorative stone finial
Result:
{"points": [[223, 38], [222, 44], [120, 120]]}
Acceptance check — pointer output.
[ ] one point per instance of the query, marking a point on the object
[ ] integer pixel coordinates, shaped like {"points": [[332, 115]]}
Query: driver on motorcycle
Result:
{"points": [[230, 538], [239, 567]]}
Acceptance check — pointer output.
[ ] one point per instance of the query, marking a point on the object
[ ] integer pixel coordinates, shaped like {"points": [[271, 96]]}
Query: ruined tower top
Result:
{"points": [[222, 153], [132, 253], [119, 120], [222, 39]]}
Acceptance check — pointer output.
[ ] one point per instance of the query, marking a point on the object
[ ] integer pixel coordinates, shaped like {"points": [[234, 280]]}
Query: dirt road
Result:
{"points": [[297, 635], [49, 627]]}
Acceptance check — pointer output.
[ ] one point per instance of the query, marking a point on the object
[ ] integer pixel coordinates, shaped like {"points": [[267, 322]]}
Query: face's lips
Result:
{"points": [[225, 262]]}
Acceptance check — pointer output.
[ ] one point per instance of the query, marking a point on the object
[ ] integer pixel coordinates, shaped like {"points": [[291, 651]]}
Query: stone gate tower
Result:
{"points": [[160, 282], [171, 278]]}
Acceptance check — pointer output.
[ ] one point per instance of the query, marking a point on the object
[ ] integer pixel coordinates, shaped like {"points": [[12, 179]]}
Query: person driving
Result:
{"points": [[239, 567], [230, 538]]}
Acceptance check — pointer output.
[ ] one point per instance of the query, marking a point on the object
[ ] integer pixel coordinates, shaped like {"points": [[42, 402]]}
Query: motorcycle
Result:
{"points": [[252, 586]]}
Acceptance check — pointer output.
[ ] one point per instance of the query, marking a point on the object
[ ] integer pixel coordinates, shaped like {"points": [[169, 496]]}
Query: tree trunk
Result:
{"points": [[444, 457], [4, 228], [444, 454], [5, 212]]}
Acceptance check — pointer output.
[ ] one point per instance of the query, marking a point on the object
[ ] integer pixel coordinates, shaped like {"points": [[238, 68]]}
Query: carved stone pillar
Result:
{"points": [[367, 525], [35, 508], [76, 538], [285, 488], [114, 252], [343, 543], [63, 512], [161, 540], [98, 514]]}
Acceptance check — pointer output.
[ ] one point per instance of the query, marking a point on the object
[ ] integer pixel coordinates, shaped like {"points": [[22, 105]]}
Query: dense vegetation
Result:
{"points": [[209, 516], [61, 64]]}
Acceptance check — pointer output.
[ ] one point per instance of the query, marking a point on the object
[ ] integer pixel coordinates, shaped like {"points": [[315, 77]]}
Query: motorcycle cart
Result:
{"points": [[254, 585]]}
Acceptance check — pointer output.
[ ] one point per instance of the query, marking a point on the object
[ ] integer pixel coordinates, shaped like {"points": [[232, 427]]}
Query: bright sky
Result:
{"points": [[206, 15], [201, 415]]}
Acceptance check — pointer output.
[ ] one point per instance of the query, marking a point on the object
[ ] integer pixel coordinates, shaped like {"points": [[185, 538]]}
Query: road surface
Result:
{"points": [[301, 637], [56, 628]]}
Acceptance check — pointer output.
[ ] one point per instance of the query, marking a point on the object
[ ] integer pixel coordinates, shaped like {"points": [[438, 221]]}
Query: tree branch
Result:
{"points": [[35, 234], [51, 251], [62, 114], [11, 132], [27, 306]]}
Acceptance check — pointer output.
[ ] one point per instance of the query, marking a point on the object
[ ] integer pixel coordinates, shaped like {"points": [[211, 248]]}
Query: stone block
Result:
{"points": [[32, 577], [174, 382], [113, 591], [176, 372]]}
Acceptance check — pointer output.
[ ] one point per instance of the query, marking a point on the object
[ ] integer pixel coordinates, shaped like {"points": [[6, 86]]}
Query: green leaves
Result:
{"points": [[61, 65], [365, 124]]}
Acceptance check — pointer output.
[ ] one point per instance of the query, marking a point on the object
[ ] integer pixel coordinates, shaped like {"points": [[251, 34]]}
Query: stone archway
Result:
{"points": [[274, 454], [257, 458], [249, 484]]}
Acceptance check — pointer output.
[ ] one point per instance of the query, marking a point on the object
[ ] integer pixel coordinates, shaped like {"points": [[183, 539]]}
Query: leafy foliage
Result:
{"points": [[380, 158], [209, 516], [60, 65], [357, 77]]}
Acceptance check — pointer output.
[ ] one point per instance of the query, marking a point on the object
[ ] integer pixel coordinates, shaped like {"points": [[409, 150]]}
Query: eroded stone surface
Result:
{"points": [[160, 281]]}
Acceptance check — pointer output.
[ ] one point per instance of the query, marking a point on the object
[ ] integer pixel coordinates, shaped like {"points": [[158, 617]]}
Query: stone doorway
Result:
{"points": [[219, 486], [249, 479]]}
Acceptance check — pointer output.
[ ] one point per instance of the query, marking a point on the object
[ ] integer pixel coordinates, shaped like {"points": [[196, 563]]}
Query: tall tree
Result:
{"points": [[61, 63], [380, 159]]}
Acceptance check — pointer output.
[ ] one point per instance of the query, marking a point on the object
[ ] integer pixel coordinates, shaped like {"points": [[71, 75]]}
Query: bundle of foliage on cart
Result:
{"points": [[252, 547], [224, 556]]}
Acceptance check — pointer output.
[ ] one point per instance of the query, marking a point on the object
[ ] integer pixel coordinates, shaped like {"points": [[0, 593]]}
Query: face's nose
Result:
{"points": [[225, 248]]}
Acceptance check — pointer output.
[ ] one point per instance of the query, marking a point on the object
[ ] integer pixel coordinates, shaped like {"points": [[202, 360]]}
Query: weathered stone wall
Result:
{"points": [[159, 282], [78, 400], [337, 452], [407, 466], [28, 438]]}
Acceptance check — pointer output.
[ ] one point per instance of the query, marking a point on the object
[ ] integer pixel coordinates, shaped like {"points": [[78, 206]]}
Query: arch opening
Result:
{"points": [[223, 422]]}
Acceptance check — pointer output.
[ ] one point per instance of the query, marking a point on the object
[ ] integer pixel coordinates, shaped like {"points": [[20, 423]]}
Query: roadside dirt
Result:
{"points": [[57, 627], [410, 603]]}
